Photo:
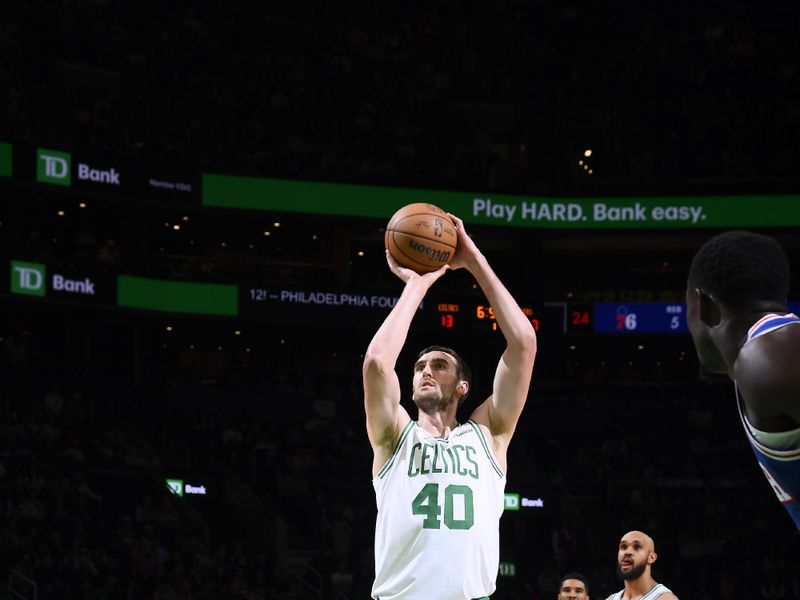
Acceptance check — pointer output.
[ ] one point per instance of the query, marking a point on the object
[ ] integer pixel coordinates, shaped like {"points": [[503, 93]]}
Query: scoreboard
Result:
{"points": [[646, 317], [367, 309], [336, 306], [480, 316], [640, 317]]}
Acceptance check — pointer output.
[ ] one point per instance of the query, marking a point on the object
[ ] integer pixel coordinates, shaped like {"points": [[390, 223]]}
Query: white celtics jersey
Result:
{"points": [[439, 507], [654, 593]]}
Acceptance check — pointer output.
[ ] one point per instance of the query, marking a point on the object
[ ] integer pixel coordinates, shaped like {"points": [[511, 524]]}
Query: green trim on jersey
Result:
{"points": [[478, 430], [402, 439]]}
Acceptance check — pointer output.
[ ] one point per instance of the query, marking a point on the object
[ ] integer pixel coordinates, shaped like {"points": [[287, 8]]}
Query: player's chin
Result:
{"points": [[429, 398], [629, 571]]}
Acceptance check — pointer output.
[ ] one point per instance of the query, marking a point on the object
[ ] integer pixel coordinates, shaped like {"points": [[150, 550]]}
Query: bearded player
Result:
{"points": [[635, 558]]}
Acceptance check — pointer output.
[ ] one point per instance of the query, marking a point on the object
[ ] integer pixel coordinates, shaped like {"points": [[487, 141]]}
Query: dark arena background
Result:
{"points": [[192, 204]]}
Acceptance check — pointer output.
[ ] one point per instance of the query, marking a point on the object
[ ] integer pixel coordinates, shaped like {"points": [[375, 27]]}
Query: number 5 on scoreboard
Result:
{"points": [[427, 504]]}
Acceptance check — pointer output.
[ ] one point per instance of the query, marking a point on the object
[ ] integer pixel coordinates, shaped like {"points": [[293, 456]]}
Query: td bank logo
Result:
{"points": [[53, 167], [511, 502], [27, 278], [175, 486]]}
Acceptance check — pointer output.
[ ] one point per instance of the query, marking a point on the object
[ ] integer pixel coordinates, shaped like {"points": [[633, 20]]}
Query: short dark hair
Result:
{"points": [[740, 269], [577, 576], [462, 368]]}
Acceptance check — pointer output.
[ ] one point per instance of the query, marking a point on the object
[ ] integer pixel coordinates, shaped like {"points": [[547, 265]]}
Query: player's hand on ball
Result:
{"points": [[406, 274], [466, 250]]}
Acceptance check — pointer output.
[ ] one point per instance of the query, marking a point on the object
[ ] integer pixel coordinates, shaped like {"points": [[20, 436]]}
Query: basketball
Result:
{"points": [[421, 237]]}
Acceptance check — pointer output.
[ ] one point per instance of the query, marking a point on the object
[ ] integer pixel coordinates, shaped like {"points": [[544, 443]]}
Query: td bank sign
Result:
{"points": [[28, 278], [55, 168]]}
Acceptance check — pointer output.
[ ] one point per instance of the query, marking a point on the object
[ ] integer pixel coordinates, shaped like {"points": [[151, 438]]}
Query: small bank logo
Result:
{"points": [[53, 167], [175, 486], [511, 502], [27, 278]]}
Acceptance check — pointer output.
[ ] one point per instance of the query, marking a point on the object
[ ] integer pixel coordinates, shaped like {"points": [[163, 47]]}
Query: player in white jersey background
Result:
{"points": [[635, 558], [439, 484], [737, 313]]}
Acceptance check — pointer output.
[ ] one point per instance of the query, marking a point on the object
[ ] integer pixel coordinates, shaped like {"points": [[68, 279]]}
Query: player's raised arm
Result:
{"points": [[385, 416], [513, 376]]}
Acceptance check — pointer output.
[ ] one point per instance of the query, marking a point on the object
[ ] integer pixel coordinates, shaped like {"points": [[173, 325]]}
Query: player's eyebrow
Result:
{"points": [[433, 361]]}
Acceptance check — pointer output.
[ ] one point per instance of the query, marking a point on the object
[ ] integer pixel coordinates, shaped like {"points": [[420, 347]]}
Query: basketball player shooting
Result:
{"points": [[439, 484], [737, 313]]}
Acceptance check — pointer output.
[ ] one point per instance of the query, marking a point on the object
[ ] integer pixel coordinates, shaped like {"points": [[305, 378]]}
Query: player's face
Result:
{"points": [[573, 589], [707, 351], [634, 555], [435, 380]]}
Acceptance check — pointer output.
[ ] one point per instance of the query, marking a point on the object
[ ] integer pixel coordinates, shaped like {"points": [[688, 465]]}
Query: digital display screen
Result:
{"points": [[480, 316], [646, 317], [640, 317]]}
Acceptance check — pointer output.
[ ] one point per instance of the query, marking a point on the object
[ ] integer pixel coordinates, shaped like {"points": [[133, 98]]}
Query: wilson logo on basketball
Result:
{"points": [[431, 253]]}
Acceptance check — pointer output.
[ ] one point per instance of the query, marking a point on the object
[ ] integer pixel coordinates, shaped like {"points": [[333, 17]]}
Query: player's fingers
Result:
{"points": [[458, 222], [394, 266], [438, 272]]}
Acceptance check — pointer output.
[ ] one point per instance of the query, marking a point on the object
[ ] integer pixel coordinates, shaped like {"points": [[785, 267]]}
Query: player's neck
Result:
{"points": [[636, 588], [439, 423]]}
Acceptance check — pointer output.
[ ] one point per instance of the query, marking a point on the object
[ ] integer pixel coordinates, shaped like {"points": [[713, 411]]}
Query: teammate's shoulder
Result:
{"points": [[667, 596]]}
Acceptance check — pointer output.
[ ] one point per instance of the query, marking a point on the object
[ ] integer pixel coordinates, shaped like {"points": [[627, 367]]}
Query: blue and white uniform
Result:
{"points": [[778, 454]]}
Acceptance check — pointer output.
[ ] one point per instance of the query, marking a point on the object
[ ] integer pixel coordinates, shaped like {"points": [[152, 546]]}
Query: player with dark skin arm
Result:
{"points": [[736, 301]]}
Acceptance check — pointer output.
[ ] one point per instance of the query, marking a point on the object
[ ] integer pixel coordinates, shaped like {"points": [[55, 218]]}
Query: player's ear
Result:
{"points": [[710, 312], [463, 387], [651, 558]]}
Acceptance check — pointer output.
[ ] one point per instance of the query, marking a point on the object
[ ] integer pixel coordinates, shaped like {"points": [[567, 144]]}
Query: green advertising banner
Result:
{"points": [[6, 159], [498, 209], [177, 296]]}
